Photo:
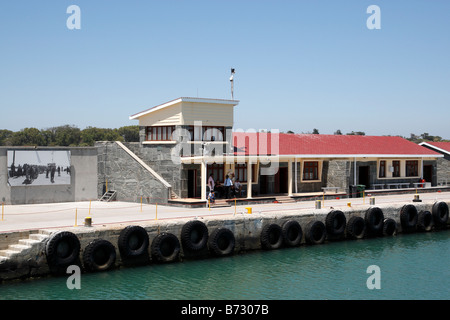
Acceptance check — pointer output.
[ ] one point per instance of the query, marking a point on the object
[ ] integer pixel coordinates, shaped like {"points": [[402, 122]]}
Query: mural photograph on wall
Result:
{"points": [[38, 167]]}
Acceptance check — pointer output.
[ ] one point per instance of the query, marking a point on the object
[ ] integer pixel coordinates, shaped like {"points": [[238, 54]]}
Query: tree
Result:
{"points": [[5, 136], [130, 133], [28, 137], [357, 133], [338, 132], [315, 131]]}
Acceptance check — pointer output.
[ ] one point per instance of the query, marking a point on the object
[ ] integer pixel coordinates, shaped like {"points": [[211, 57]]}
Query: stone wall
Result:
{"points": [[127, 177], [443, 170]]}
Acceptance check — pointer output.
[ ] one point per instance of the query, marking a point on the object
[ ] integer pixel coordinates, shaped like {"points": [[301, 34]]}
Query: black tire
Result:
{"points": [[389, 227], [315, 232], [99, 255], [194, 235], [62, 249], [408, 218], [222, 242], [374, 218], [440, 213], [271, 237], [335, 223], [425, 221], [165, 247], [356, 228], [133, 242], [292, 233]]}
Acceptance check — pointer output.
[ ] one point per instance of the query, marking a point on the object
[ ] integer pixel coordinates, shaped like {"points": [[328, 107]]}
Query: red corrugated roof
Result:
{"points": [[252, 143], [441, 145]]}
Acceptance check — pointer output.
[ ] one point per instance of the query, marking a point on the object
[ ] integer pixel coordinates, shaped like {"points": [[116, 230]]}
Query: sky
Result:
{"points": [[299, 64]]}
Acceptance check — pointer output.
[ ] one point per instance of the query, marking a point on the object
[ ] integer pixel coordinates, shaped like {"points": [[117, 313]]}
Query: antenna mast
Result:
{"points": [[232, 83]]}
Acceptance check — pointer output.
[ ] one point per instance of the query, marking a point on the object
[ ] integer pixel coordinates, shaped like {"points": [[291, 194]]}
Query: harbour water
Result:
{"points": [[412, 266]]}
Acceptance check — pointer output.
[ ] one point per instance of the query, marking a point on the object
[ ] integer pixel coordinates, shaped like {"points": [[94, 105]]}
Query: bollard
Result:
{"points": [[318, 204], [416, 198], [88, 222], [372, 201], [349, 204], [249, 210]]}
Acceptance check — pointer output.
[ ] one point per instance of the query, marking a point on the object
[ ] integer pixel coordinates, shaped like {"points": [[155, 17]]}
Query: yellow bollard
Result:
{"points": [[90, 207], [349, 204], [209, 205], [156, 213], [234, 206], [3, 209], [76, 214], [249, 210], [88, 222], [141, 204]]}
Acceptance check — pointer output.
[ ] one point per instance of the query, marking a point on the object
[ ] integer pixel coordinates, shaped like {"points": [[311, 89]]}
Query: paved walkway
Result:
{"points": [[55, 215]]}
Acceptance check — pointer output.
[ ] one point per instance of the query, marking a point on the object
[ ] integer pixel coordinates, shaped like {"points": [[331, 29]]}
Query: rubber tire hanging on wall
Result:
{"points": [[271, 237], [440, 213], [194, 235], [424, 220], [62, 249], [408, 218], [356, 228], [221, 242], [389, 227], [335, 223], [165, 247], [133, 242], [315, 232], [99, 255], [374, 218], [292, 233]]}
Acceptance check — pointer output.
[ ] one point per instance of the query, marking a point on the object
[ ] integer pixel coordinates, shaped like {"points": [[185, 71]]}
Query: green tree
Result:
{"points": [[315, 131], [28, 137], [129, 133], [5, 136], [66, 135]]}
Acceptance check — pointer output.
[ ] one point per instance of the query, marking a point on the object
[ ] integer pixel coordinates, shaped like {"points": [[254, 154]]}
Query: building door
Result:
{"points": [[192, 183], [281, 180], [428, 173], [263, 184], [364, 176]]}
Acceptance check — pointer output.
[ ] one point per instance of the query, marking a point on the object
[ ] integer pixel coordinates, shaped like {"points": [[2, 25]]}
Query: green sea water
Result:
{"points": [[413, 266]]}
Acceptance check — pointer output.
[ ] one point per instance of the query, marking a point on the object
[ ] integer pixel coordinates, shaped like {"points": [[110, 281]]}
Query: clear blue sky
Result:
{"points": [[299, 64]]}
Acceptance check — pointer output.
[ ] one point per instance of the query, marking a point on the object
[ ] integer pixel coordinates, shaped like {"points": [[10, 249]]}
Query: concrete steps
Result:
{"points": [[23, 244]]}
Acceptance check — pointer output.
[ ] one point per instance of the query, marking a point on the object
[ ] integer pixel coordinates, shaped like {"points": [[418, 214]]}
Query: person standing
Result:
{"points": [[227, 186], [211, 182]]}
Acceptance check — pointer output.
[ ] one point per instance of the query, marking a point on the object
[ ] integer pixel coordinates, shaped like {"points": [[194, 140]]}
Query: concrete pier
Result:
{"points": [[23, 253]]}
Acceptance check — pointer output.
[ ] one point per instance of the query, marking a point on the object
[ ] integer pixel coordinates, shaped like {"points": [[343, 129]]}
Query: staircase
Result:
{"points": [[285, 199], [23, 245], [108, 196]]}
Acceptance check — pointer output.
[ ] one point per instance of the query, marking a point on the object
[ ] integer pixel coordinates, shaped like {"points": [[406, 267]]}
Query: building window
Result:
{"points": [[382, 173], [217, 172], [412, 168], [159, 133], [207, 133], [311, 170], [396, 165]]}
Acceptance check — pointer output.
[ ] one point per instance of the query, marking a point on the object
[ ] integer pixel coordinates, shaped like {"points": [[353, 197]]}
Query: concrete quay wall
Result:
{"points": [[31, 261]]}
